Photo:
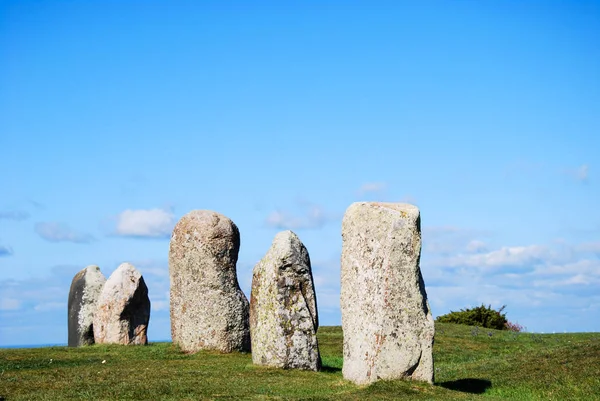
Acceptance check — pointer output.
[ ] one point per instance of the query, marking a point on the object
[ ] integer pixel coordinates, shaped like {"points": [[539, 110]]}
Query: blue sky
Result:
{"points": [[118, 117]]}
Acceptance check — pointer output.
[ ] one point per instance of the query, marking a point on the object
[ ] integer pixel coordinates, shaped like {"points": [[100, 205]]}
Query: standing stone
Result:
{"points": [[387, 322], [123, 309], [283, 307], [208, 308], [83, 297]]}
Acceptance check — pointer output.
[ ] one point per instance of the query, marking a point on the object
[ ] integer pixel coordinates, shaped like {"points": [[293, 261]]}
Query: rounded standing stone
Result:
{"points": [[123, 310], [386, 319], [208, 308], [83, 298], [283, 307]]}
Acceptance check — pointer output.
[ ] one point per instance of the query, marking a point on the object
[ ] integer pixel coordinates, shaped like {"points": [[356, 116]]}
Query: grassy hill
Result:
{"points": [[469, 364]]}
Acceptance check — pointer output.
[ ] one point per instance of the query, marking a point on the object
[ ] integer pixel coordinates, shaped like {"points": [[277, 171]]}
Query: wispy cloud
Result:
{"points": [[371, 187], [409, 199], [41, 299], [152, 267], [37, 205], [505, 256], [17, 215], [583, 173], [5, 250], [592, 247], [452, 240], [145, 223], [59, 232], [461, 270], [9, 304], [50, 306], [312, 217], [580, 174], [476, 246]]}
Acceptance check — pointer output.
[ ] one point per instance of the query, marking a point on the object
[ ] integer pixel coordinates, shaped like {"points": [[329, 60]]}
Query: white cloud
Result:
{"points": [[532, 279], [152, 267], [58, 232], [476, 246], [505, 256], [42, 299], [586, 266], [159, 305], [7, 304], [372, 187], [561, 283], [151, 223], [450, 240], [313, 217], [50, 306], [593, 247]]}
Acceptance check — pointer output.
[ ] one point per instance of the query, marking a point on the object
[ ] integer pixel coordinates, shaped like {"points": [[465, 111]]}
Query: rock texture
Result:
{"points": [[208, 308], [387, 322], [83, 297], [123, 310], [283, 307]]}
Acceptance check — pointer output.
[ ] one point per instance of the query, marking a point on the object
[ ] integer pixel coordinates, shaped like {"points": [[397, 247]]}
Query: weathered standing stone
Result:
{"points": [[123, 310], [208, 308], [387, 322], [283, 307], [83, 297]]}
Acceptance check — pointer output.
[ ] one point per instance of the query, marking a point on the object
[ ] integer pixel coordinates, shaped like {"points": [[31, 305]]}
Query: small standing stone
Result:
{"points": [[283, 307], [83, 297], [123, 310], [208, 308], [387, 322]]}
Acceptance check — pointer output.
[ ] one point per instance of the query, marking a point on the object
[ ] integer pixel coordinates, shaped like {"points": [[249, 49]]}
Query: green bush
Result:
{"points": [[481, 316]]}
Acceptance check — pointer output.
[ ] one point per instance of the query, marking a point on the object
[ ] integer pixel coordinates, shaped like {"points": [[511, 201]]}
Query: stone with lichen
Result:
{"points": [[123, 310], [283, 307], [386, 319], [208, 309], [83, 297]]}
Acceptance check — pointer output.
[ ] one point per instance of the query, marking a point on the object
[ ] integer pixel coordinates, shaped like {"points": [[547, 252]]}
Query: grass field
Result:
{"points": [[469, 364]]}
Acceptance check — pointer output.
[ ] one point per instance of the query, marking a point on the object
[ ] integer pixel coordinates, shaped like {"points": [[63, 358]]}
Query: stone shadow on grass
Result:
{"points": [[330, 369], [473, 386]]}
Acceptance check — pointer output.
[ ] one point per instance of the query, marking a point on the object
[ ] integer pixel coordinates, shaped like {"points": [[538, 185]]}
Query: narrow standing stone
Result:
{"points": [[283, 307], [123, 310], [387, 322], [208, 308], [83, 298]]}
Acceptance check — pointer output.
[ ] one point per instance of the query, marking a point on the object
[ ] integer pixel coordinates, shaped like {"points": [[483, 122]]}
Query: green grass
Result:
{"points": [[469, 364]]}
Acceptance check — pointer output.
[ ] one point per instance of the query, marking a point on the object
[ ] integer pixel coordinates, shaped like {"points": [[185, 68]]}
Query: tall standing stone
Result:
{"points": [[208, 308], [123, 310], [83, 297], [283, 307], [387, 322]]}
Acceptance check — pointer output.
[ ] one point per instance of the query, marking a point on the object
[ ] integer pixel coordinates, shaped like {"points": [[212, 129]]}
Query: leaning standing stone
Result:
{"points": [[387, 322], [123, 309], [283, 307], [83, 297], [208, 308]]}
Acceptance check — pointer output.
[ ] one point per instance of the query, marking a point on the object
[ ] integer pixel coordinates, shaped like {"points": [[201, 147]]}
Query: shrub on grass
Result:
{"points": [[514, 327], [480, 316]]}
